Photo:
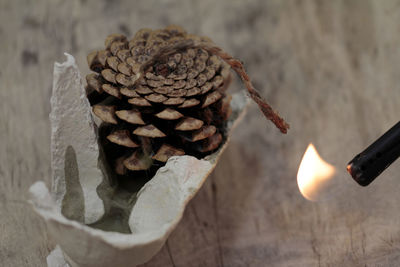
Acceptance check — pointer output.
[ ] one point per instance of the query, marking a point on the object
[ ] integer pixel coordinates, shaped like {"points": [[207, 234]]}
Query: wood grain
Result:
{"points": [[330, 67]]}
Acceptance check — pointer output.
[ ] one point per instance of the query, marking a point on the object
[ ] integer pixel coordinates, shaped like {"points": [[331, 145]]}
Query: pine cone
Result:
{"points": [[162, 94]]}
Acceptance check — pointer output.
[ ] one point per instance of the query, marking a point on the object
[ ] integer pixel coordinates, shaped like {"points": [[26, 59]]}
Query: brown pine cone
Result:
{"points": [[162, 94]]}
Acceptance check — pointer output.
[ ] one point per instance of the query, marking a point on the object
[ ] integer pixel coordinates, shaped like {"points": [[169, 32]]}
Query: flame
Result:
{"points": [[314, 177]]}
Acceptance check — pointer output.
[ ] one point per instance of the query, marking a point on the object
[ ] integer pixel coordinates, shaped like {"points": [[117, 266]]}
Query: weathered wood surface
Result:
{"points": [[330, 67]]}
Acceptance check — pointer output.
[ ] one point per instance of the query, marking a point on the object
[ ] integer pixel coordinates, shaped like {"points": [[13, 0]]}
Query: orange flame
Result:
{"points": [[315, 176]]}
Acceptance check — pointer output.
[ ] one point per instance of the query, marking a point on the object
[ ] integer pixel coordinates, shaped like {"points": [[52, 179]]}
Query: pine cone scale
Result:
{"points": [[169, 114], [122, 138], [149, 131], [139, 101], [166, 151], [131, 116]]}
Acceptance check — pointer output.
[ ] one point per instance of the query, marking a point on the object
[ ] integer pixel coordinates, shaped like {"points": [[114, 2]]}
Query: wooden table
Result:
{"points": [[332, 69]]}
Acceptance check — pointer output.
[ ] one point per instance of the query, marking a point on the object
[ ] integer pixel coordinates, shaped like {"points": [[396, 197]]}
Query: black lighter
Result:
{"points": [[367, 165]]}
